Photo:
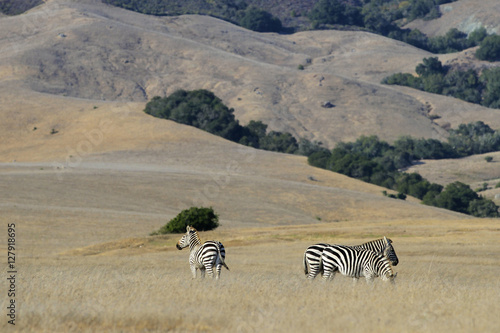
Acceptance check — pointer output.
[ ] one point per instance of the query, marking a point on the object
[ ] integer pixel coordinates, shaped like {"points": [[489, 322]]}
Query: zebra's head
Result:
{"points": [[389, 252], [184, 241], [385, 269]]}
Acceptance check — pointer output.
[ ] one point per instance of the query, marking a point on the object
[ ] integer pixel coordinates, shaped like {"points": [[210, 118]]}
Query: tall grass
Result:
{"points": [[262, 293]]}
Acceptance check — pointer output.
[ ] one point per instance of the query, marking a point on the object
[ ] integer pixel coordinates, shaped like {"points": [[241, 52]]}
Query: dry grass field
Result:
{"points": [[85, 176], [447, 281]]}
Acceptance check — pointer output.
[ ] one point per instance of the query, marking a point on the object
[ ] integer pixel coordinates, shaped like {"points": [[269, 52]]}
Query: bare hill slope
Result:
{"points": [[92, 51], [465, 15], [90, 161]]}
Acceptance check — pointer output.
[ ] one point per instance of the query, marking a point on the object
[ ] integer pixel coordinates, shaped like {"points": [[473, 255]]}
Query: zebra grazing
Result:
{"points": [[203, 256], [355, 263], [312, 256]]}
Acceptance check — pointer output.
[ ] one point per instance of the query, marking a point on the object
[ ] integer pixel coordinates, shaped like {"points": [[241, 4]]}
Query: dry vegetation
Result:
{"points": [[447, 282], [85, 196]]}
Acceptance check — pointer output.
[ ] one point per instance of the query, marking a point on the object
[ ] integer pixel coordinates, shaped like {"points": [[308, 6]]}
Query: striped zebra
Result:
{"points": [[355, 263], [204, 256], [312, 256]]}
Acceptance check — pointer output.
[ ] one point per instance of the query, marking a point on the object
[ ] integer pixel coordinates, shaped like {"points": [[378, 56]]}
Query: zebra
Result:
{"points": [[203, 256], [312, 255], [355, 263]]}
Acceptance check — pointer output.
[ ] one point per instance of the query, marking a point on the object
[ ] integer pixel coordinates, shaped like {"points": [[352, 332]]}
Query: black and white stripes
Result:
{"points": [[355, 263], [204, 256], [371, 259], [313, 264]]}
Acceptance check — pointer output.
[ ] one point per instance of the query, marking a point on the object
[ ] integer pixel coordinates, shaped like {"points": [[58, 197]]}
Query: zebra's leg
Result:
{"points": [[369, 278], [218, 269], [313, 272], [328, 273], [193, 271], [210, 270], [202, 272]]}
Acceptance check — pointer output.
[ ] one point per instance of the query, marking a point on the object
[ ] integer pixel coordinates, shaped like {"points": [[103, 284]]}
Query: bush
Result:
{"points": [[489, 49], [259, 20], [430, 66], [200, 218], [491, 92], [456, 196], [328, 12], [483, 208]]}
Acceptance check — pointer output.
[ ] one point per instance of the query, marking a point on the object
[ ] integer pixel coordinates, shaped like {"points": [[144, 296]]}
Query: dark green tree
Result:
{"points": [[491, 81], [489, 49], [201, 218], [259, 20], [483, 208], [328, 12], [320, 159], [430, 66], [477, 36], [456, 196], [279, 142]]}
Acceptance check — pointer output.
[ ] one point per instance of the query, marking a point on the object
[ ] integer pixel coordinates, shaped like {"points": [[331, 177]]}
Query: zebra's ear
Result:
{"points": [[386, 241], [188, 228]]}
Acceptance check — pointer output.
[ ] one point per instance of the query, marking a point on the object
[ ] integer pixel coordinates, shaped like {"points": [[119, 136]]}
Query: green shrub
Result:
{"points": [[259, 20], [489, 49], [483, 208], [488, 159], [200, 218]]}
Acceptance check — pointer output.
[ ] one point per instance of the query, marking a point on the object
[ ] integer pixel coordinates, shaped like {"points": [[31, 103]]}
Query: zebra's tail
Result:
{"points": [[221, 257]]}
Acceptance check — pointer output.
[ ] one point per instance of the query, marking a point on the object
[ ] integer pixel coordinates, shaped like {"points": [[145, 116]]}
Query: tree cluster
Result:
{"points": [[383, 16], [377, 162], [16, 7], [467, 85], [203, 110], [234, 11]]}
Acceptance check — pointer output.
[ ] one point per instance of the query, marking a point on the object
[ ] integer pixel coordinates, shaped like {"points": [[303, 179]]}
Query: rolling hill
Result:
{"points": [[91, 51], [75, 76]]}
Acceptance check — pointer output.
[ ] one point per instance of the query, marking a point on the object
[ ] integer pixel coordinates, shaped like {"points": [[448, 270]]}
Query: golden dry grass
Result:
{"points": [[447, 282]]}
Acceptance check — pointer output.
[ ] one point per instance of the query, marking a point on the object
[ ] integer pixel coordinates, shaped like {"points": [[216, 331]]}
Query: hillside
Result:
{"points": [[91, 51], [465, 15]]}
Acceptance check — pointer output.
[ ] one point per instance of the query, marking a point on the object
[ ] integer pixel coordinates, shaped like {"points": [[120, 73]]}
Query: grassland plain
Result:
{"points": [[447, 281]]}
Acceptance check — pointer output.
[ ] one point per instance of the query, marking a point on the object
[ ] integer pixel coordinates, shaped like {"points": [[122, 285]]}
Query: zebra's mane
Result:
{"points": [[376, 241], [194, 233]]}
